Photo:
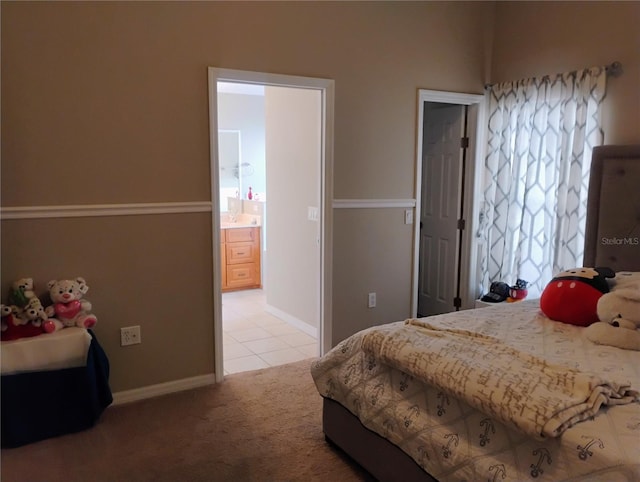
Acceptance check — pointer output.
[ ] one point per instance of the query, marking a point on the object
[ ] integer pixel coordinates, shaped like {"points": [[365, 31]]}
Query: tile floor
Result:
{"points": [[256, 339]]}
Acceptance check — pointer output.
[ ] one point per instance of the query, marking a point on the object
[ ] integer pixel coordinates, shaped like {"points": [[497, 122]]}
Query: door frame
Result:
{"points": [[327, 88], [468, 261]]}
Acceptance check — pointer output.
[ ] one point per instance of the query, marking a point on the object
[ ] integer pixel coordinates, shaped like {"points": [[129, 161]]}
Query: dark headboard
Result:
{"points": [[612, 235]]}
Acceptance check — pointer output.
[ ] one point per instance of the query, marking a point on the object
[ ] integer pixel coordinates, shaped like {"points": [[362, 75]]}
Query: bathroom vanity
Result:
{"points": [[240, 254]]}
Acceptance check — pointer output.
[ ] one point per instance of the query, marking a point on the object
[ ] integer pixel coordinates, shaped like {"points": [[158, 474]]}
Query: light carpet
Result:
{"points": [[264, 425]]}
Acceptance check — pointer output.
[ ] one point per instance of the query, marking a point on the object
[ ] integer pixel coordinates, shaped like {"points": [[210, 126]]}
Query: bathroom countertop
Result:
{"points": [[238, 225], [240, 221]]}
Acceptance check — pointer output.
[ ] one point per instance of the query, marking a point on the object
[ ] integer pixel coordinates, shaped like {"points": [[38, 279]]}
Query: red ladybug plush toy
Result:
{"points": [[572, 296]]}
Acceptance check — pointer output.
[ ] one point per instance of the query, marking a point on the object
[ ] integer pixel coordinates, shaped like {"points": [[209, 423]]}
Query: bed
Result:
{"points": [[498, 393]]}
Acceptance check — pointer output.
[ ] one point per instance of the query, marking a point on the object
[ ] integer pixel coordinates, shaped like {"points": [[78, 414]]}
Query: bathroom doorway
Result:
{"points": [[282, 172]]}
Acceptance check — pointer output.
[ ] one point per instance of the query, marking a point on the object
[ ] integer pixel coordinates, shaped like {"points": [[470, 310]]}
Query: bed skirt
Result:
{"points": [[43, 404], [378, 456]]}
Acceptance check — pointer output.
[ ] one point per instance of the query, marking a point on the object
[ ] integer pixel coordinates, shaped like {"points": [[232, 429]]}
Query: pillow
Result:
{"points": [[572, 296]]}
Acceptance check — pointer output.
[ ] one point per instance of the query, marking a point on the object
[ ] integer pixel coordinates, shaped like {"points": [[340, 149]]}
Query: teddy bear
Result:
{"points": [[14, 326], [68, 309], [6, 316], [619, 314], [34, 313], [21, 292], [572, 296], [626, 279]]}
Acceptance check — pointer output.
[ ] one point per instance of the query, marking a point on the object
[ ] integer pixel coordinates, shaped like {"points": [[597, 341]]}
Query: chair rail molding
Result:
{"points": [[94, 210], [373, 203]]}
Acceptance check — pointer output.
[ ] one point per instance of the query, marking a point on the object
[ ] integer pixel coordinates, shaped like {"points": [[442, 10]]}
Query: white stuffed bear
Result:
{"points": [[16, 323], [625, 279], [21, 292], [619, 314], [69, 309], [33, 313], [5, 313]]}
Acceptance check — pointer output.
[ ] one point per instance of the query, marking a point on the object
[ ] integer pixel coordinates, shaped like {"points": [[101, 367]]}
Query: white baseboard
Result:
{"points": [[151, 391], [293, 321]]}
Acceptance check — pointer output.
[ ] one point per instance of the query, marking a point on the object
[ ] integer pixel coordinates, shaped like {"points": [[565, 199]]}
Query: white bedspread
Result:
{"points": [[454, 441], [519, 389]]}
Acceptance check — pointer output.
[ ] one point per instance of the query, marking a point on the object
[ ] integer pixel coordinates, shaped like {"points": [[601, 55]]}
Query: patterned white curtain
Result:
{"points": [[540, 136]]}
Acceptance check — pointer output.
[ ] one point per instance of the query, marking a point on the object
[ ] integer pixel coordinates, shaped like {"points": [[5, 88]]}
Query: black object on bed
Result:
{"points": [[43, 404]]}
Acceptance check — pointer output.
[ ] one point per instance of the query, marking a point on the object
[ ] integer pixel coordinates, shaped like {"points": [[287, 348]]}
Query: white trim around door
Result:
{"points": [[326, 87], [468, 261]]}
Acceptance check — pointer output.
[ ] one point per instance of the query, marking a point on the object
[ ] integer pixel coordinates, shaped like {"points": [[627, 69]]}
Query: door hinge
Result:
{"points": [[464, 142], [461, 224], [457, 302]]}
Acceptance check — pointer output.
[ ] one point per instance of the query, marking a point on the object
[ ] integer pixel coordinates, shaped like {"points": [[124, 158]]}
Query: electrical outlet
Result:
{"points": [[130, 335], [372, 300]]}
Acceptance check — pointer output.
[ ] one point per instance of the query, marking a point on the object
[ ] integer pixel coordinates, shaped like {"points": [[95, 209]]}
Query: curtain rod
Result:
{"points": [[614, 69]]}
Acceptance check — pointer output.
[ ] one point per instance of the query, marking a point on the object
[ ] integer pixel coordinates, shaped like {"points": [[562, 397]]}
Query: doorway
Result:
{"points": [[445, 252], [283, 210]]}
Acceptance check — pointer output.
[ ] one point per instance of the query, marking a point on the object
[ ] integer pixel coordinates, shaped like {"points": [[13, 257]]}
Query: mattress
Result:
{"points": [[451, 440]]}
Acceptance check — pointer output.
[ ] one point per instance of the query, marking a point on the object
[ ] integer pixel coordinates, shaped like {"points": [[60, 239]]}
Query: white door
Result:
{"points": [[440, 208]]}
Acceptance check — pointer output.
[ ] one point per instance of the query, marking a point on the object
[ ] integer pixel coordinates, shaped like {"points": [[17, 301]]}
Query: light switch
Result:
{"points": [[408, 216]]}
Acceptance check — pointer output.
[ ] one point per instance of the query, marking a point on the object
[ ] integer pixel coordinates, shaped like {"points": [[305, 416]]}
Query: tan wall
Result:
{"points": [[152, 271], [107, 103], [538, 38], [372, 254]]}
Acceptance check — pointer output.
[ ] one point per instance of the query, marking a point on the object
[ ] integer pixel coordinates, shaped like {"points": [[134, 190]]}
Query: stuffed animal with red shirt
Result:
{"points": [[17, 323], [24, 315], [572, 296]]}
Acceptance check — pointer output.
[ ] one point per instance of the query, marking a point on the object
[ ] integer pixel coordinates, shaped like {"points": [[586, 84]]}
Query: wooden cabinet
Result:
{"points": [[240, 258]]}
